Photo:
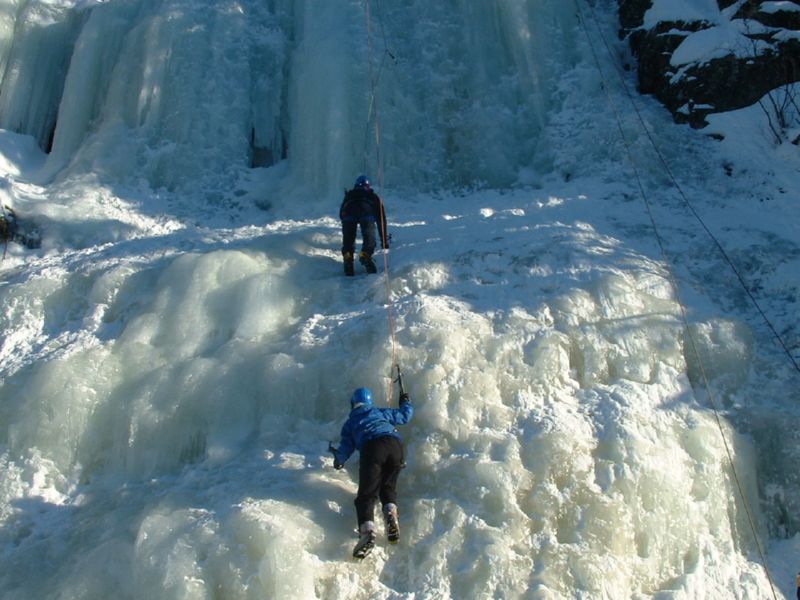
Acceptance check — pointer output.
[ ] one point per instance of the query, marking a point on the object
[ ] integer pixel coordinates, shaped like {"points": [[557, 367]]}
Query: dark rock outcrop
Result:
{"points": [[770, 58]]}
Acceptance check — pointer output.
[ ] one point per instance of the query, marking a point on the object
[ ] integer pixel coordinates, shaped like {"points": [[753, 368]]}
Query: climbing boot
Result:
{"points": [[348, 263], [392, 522], [366, 260], [366, 540]]}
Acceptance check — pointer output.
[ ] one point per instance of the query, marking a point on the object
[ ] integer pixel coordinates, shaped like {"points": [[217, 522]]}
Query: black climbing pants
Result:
{"points": [[368, 236], [380, 462]]}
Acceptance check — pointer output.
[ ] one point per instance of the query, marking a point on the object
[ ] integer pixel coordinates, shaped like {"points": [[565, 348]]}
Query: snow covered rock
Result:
{"points": [[708, 57]]}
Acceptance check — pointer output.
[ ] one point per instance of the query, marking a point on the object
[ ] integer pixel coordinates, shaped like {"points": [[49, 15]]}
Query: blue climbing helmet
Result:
{"points": [[362, 181], [361, 397]]}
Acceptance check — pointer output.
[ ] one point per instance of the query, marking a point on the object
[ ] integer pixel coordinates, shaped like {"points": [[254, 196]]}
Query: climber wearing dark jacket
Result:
{"points": [[371, 431], [362, 207]]}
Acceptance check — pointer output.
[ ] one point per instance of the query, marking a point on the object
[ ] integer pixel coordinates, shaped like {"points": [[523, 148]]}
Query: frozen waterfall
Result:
{"points": [[176, 356], [170, 89]]}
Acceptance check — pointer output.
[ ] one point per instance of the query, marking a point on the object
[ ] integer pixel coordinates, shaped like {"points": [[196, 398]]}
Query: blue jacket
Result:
{"points": [[369, 422]]}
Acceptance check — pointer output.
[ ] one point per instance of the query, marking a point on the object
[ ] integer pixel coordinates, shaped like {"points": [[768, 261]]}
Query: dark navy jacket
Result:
{"points": [[367, 422], [362, 204]]}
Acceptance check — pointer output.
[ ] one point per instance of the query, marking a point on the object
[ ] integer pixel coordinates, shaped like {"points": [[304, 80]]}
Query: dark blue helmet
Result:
{"points": [[362, 181], [361, 397]]}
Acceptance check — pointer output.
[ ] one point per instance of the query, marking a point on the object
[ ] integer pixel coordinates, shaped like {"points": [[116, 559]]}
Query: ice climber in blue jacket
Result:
{"points": [[371, 431]]}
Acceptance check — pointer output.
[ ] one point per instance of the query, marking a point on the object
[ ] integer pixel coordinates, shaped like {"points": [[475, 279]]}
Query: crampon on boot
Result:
{"points": [[366, 260], [366, 540], [392, 521], [348, 263]]}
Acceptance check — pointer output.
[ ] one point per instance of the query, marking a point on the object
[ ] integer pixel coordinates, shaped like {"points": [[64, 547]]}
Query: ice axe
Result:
{"points": [[332, 449], [399, 380]]}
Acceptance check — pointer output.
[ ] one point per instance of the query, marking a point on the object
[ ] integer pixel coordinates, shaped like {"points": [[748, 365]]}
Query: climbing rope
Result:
{"points": [[374, 78], [689, 205], [4, 233], [5, 230], [673, 282]]}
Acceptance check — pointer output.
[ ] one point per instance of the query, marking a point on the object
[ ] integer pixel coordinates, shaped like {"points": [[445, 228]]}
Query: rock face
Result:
{"points": [[717, 60]]}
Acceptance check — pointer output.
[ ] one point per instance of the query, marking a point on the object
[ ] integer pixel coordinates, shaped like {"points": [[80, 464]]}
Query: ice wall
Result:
{"points": [[457, 92], [170, 442], [35, 50], [169, 387]]}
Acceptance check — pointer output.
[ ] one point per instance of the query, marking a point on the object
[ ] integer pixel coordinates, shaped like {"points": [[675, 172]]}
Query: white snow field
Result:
{"points": [[598, 415]]}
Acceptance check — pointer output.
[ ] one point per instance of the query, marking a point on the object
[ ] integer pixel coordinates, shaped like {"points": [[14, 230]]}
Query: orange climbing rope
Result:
{"points": [[374, 77]]}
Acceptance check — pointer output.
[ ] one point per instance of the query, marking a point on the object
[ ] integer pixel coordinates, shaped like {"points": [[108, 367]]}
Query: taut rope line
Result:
{"points": [[674, 283], [691, 208], [374, 105]]}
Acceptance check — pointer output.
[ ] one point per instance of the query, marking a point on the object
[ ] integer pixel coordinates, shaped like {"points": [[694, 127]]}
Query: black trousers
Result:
{"points": [[379, 466], [368, 236]]}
